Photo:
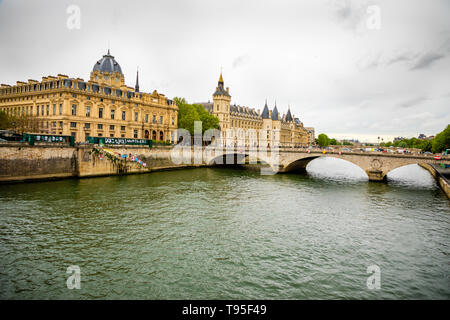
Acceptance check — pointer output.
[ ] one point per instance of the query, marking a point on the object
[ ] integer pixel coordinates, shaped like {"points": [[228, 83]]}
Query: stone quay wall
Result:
{"points": [[438, 174], [22, 162]]}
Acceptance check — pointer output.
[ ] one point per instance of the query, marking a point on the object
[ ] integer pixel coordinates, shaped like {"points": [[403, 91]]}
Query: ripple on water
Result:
{"points": [[220, 233]]}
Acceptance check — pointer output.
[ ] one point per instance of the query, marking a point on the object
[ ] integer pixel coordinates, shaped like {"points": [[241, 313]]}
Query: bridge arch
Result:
{"points": [[299, 165], [238, 158], [391, 175]]}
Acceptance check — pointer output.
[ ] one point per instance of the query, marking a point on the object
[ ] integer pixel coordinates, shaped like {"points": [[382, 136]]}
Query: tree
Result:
{"points": [[323, 140], [427, 146], [403, 144], [188, 113], [5, 121], [208, 120], [442, 141]]}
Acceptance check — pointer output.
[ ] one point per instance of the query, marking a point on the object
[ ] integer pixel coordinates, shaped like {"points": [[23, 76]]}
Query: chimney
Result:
{"points": [[228, 90], [259, 112]]}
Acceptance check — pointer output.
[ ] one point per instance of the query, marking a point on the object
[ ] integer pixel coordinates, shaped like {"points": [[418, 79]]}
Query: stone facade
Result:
{"points": [[244, 126], [104, 106]]}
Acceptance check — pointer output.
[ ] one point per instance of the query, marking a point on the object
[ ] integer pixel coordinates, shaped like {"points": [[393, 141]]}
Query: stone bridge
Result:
{"points": [[376, 164]]}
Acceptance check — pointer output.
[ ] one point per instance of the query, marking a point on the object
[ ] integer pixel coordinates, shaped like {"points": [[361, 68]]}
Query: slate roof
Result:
{"points": [[107, 64]]}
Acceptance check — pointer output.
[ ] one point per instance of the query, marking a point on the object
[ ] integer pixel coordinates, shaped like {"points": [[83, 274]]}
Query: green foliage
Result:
{"points": [[403, 144], [323, 140], [208, 120], [5, 121], [442, 141], [427, 146], [188, 113], [346, 143], [334, 142]]}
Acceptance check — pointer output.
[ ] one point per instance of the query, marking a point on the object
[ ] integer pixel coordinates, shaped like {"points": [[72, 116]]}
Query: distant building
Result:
{"points": [[104, 106], [422, 136], [399, 138], [240, 122]]}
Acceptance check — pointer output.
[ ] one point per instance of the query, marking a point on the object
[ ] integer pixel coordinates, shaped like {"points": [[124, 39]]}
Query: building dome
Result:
{"points": [[107, 64]]}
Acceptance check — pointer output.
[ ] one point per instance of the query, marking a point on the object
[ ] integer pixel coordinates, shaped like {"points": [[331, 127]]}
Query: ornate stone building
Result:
{"points": [[245, 126], [104, 106]]}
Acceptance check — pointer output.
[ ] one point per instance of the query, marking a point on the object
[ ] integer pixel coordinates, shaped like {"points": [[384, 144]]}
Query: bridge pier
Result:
{"points": [[376, 175]]}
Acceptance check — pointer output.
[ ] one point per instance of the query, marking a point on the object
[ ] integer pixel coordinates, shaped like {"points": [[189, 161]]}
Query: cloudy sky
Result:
{"points": [[351, 69]]}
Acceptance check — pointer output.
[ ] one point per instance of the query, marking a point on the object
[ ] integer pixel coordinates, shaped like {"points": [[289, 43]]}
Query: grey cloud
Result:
{"points": [[427, 60], [412, 102]]}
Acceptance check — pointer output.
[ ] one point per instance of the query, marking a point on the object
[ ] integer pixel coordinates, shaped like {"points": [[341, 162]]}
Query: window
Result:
{"points": [[122, 128], [154, 119], [54, 124], [100, 126], [100, 112], [112, 114], [54, 109], [100, 135], [60, 109], [111, 127], [87, 125], [31, 110], [122, 136], [74, 109], [146, 118], [161, 119], [135, 133], [60, 124], [42, 110], [73, 124], [123, 115], [74, 95], [88, 111], [48, 109], [173, 120], [135, 116], [111, 135]]}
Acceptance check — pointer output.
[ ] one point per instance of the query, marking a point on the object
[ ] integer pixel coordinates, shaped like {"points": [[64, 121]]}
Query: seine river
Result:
{"points": [[221, 233]]}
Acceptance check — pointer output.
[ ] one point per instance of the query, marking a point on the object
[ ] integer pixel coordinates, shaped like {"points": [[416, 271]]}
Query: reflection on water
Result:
{"points": [[218, 233]]}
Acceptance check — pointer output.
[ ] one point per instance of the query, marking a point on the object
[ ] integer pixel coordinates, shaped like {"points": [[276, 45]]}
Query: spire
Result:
{"points": [[137, 81], [265, 113], [289, 115], [221, 79], [275, 112]]}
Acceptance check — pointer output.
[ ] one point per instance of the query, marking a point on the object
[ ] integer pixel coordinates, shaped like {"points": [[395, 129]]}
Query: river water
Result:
{"points": [[221, 233]]}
